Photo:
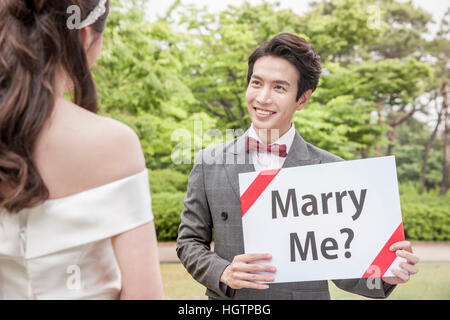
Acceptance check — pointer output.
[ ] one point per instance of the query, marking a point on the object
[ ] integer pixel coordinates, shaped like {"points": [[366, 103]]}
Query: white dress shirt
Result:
{"points": [[267, 160]]}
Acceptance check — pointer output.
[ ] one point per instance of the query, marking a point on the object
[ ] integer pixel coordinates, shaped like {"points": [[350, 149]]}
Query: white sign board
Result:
{"points": [[326, 221]]}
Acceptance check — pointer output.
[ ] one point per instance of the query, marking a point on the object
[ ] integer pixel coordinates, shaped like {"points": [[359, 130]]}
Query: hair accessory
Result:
{"points": [[96, 13]]}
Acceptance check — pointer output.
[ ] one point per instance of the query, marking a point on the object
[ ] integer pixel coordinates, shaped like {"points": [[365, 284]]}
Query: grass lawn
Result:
{"points": [[432, 282]]}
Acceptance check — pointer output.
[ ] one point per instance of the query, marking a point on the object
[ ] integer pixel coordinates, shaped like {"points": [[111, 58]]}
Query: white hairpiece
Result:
{"points": [[96, 13]]}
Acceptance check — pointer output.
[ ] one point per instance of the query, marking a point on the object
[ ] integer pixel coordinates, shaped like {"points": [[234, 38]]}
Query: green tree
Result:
{"points": [[339, 28], [139, 71], [412, 138], [217, 55], [217, 67], [139, 76], [404, 34]]}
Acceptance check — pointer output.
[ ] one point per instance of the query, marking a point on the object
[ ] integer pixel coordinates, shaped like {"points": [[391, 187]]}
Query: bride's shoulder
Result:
{"points": [[87, 149]]}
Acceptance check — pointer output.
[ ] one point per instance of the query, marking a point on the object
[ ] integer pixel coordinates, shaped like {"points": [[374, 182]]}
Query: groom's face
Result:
{"points": [[272, 92]]}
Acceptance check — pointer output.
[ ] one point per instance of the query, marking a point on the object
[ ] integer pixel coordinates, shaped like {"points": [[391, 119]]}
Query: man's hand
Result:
{"points": [[239, 274], [403, 249]]}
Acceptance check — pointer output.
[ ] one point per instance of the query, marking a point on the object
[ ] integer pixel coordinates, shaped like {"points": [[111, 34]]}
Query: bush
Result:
{"points": [[168, 188], [426, 216], [167, 208], [167, 181]]}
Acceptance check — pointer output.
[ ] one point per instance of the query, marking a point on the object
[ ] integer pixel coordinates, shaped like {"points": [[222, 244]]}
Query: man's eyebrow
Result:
{"points": [[256, 76], [283, 82], [276, 81]]}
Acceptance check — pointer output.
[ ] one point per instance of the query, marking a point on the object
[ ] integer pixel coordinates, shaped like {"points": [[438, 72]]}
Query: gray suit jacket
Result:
{"points": [[212, 209]]}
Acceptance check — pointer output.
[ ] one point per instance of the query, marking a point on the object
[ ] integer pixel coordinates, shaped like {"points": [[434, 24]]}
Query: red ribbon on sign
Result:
{"points": [[386, 257], [257, 187]]}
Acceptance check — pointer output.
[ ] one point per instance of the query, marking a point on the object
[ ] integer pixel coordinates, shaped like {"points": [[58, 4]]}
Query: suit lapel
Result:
{"points": [[299, 155], [237, 161]]}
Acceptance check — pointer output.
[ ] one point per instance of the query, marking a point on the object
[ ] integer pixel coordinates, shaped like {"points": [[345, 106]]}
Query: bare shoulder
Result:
{"points": [[120, 146], [80, 150]]}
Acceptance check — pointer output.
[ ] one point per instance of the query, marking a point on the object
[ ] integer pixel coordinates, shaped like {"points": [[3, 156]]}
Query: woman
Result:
{"points": [[75, 207]]}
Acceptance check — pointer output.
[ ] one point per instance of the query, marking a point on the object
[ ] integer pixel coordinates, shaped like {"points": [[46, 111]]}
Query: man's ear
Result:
{"points": [[303, 101]]}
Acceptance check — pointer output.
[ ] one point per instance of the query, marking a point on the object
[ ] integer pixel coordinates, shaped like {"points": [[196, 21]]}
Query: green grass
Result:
{"points": [[179, 285], [432, 282]]}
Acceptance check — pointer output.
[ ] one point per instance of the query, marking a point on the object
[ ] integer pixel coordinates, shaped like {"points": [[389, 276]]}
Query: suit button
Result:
{"points": [[224, 216]]}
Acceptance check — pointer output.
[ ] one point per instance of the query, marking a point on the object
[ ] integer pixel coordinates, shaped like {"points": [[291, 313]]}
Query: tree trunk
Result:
{"points": [[394, 124], [428, 149], [379, 107], [446, 140], [391, 137]]}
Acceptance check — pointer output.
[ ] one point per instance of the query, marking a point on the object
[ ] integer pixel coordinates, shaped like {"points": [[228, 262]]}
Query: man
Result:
{"points": [[282, 75]]}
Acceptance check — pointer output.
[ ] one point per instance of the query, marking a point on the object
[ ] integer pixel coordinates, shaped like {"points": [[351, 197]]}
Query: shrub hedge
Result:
{"points": [[167, 180], [167, 208], [426, 216]]}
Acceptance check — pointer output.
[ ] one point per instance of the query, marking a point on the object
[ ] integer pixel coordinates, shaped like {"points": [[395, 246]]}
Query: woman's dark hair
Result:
{"points": [[297, 51], [34, 42]]}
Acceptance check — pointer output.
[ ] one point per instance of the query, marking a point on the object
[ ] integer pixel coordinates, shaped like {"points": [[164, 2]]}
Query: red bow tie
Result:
{"points": [[277, 149]]}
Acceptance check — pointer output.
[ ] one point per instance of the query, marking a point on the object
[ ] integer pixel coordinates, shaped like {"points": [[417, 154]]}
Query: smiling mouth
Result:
{"points": [[264, 112]]}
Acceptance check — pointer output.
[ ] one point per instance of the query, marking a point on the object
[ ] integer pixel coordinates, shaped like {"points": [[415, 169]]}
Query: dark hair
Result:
{"points": [[34, 42], [297, 51]]}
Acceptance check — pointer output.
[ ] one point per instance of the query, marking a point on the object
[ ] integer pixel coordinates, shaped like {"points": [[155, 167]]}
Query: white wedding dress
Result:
{"points": [[62, 248]]}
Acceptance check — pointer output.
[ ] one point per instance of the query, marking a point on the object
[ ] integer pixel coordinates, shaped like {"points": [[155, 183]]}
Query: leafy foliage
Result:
{"points": [[166, 210], [426, 216], [180, 82]]}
